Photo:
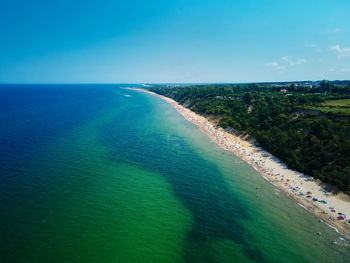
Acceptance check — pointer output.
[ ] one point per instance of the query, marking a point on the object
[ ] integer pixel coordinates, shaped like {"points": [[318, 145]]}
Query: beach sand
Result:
{"points": [[298, 186]]}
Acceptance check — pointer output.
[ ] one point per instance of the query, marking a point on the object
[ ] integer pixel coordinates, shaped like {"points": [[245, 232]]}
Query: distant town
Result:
{"points": [[283, 84]]}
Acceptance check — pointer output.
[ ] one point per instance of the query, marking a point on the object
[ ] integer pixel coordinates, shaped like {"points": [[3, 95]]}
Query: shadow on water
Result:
{"points": [[197, 183]]}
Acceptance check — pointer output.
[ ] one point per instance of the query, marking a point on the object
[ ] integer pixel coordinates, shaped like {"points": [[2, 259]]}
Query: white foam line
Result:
{"points": [[303, 206], [333, 227]]}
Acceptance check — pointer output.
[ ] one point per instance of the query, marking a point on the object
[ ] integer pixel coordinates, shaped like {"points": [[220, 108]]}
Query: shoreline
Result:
{"points": [[308, 193]]}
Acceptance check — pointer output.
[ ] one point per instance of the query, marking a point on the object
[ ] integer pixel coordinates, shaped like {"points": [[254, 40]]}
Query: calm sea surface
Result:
{"points": [[97, 173]]}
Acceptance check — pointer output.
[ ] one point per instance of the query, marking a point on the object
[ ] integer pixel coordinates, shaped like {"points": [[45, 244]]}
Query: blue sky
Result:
{"points": [[173, 41]]}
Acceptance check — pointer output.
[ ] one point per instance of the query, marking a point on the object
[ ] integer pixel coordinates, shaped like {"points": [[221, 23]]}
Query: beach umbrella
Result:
{"points": [[333, 210]]}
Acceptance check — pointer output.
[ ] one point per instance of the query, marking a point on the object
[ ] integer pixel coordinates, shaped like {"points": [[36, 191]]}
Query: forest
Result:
{"points": [[307, 127]]}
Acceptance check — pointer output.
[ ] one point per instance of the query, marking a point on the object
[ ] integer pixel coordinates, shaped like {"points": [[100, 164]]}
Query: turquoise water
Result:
{"points": [[88, 174]]}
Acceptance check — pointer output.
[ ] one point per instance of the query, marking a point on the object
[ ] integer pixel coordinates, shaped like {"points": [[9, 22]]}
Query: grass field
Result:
{"points": [[335, 107], [337, 103]]}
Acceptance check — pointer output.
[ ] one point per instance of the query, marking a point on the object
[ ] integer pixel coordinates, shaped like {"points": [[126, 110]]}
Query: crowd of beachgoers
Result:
{"points": [[333, 209]]}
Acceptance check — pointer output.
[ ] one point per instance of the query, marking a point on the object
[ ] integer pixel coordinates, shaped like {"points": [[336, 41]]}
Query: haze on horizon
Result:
{"points": [[182, 41]]}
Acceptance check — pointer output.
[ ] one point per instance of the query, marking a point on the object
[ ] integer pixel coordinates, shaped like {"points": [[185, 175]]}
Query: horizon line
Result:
{"points": [[161, 83]]}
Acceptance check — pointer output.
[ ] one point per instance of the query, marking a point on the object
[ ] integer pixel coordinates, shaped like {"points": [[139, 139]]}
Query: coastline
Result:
{"points": [[308, 193]]}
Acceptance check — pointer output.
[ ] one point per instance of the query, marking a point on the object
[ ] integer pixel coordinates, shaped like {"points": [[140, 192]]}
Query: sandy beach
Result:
{"points": [[333, 210]]}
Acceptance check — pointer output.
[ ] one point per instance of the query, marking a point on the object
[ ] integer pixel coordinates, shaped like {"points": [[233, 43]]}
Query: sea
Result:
{"points": [[100, 173]]}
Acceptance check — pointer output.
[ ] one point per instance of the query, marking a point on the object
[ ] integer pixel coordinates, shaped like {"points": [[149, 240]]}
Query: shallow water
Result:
{"points": [[88, 174]]}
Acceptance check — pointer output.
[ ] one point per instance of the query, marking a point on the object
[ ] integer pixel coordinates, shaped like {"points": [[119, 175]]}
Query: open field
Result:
{"points": [[335, 107], [338, 103], [332, 110]]}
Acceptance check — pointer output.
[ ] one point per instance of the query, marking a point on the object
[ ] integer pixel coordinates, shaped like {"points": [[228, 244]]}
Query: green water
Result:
{"points": [[135, 182]]}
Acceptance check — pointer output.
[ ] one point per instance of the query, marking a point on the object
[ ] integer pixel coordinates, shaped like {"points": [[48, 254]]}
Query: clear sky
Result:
{"points": [[61, 41]]}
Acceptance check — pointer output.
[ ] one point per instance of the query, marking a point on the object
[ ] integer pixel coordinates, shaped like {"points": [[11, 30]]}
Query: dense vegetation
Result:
{"points": [[306, 127]]}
